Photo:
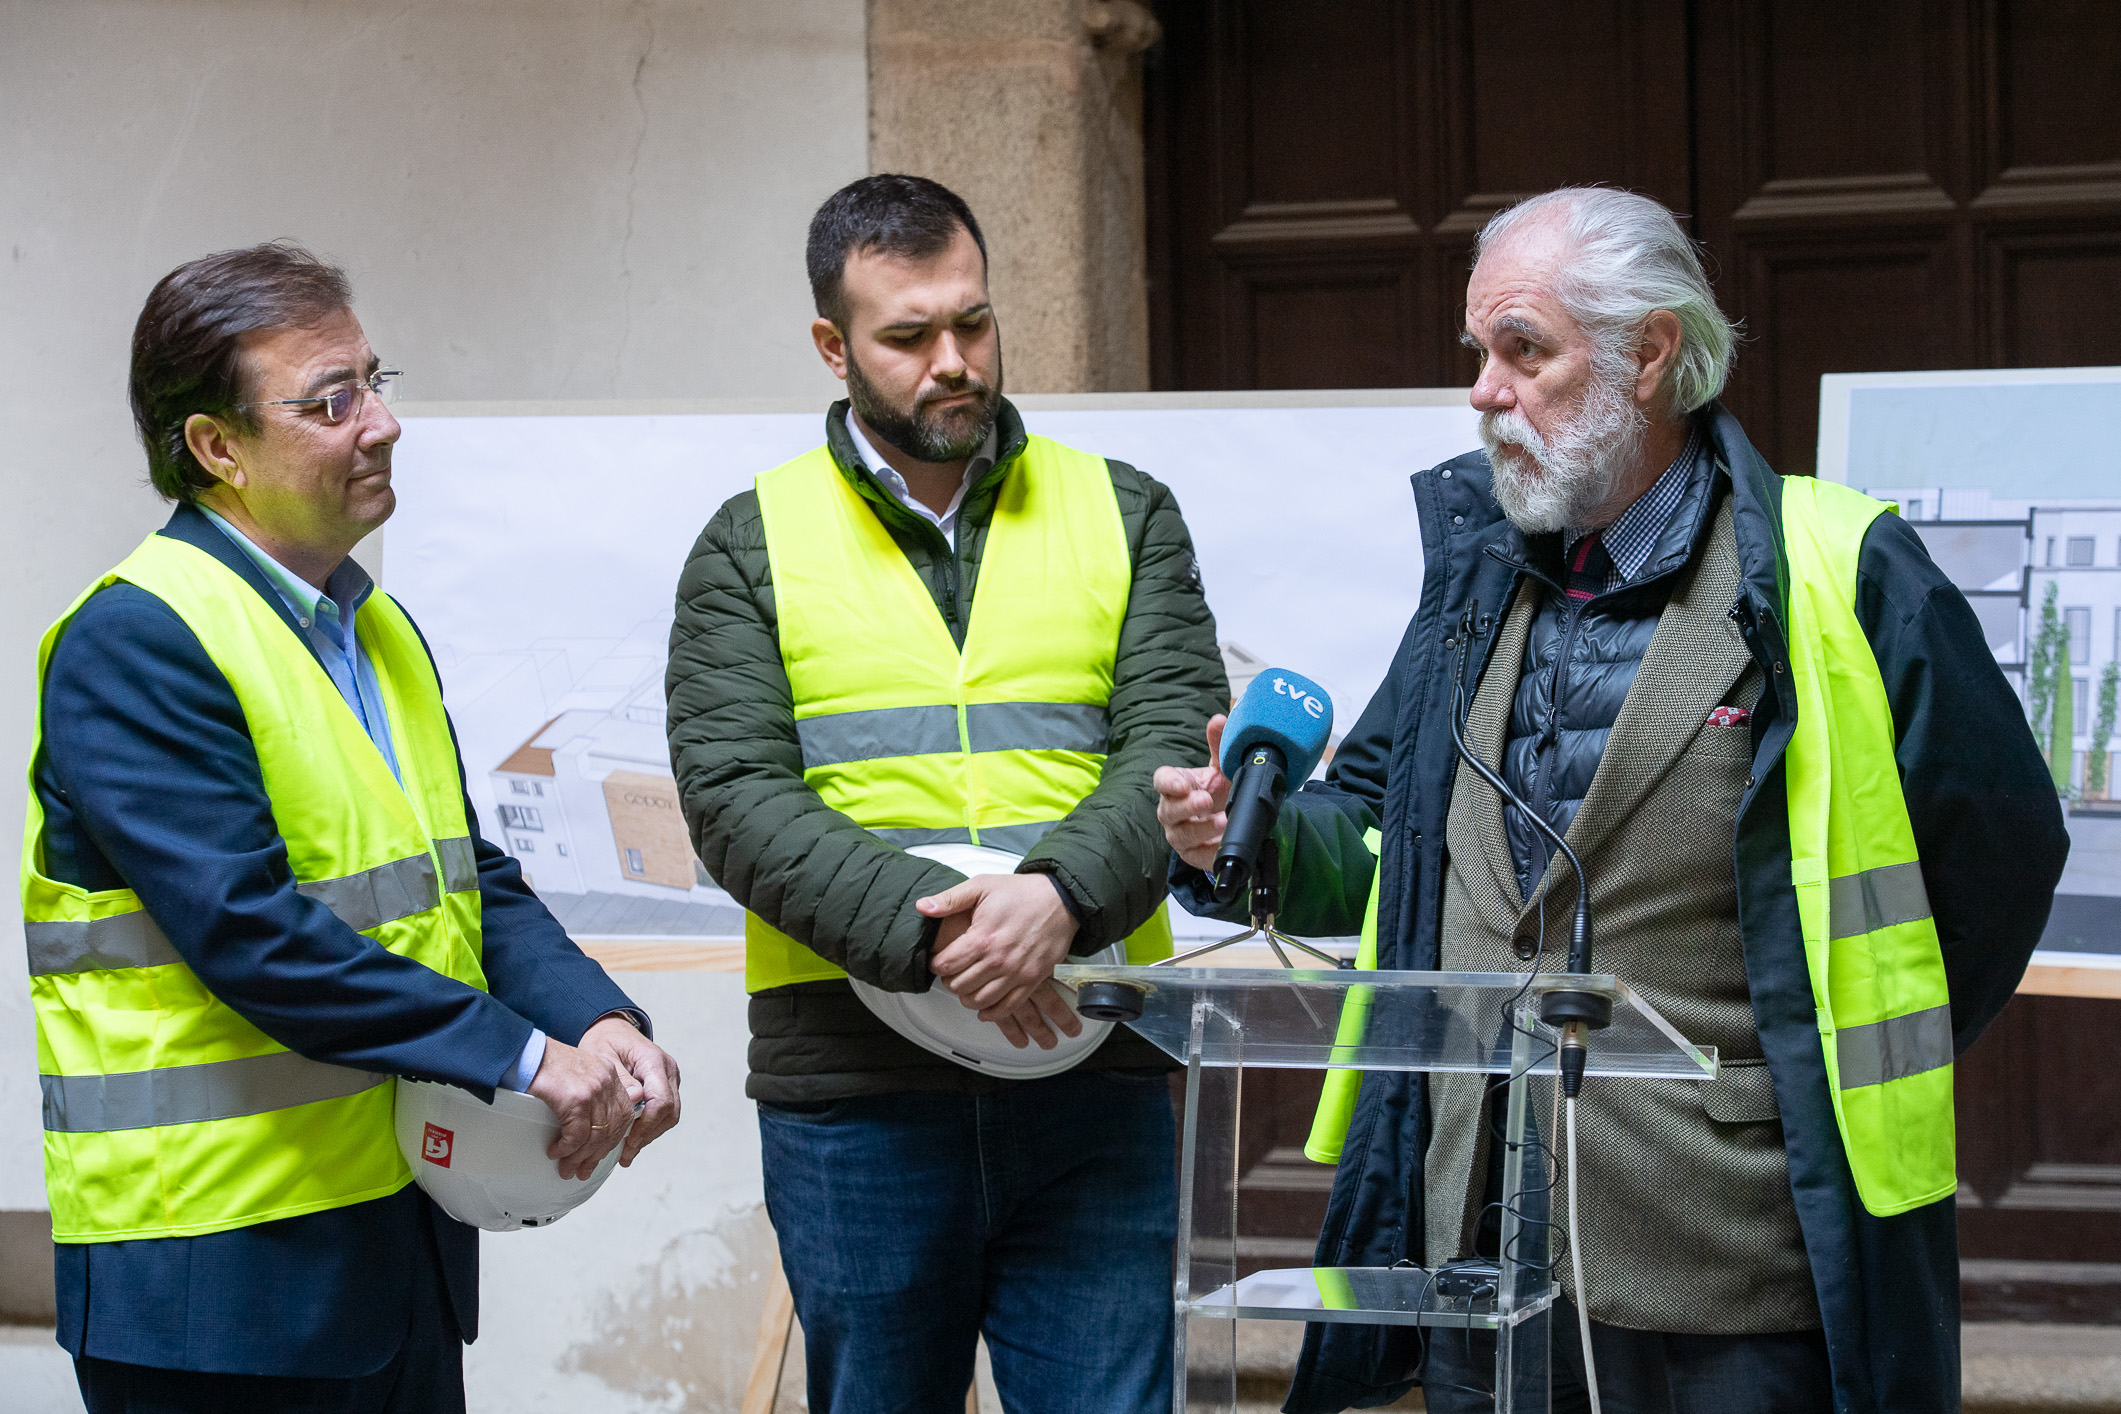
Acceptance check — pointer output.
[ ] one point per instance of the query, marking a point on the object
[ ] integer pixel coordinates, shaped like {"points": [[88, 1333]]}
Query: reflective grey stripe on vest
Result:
{"points": [[1037, 726], [377, 896], [1895, 1048], [460, 864], [887, 731], [1876, 898], [932, 731], [361, 901], [188, 1094], [907, 839], [97, 945], [1017, 839]]}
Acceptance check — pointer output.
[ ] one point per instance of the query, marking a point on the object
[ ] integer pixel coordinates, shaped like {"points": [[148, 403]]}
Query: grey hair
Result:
{"points": [[1630, 258]]}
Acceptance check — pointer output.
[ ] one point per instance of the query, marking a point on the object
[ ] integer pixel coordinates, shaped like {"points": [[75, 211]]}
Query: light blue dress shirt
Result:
{"points": [[327, 617]]}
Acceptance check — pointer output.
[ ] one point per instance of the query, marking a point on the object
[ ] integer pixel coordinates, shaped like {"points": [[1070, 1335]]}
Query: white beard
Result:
{"points": [[1546, 485]]}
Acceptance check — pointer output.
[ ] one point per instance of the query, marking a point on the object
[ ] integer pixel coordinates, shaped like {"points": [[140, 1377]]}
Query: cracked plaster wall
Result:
{"points": [[1014, 108], [646, 1298], [538, 199]]}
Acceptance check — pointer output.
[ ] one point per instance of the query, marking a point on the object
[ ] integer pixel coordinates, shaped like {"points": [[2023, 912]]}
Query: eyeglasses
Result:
{"points": [[340, 403]]}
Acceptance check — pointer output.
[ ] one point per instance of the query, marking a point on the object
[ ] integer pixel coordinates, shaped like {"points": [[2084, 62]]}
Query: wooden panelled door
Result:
{"points": [[1901, 185]]}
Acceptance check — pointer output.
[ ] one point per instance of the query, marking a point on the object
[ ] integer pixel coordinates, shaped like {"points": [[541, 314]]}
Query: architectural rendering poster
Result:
{"points": [[2013, 480], [540, 553], [540, 556]]}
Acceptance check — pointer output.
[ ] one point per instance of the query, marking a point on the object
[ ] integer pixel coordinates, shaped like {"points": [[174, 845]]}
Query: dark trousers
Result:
{"points": [[426, 1376], [1042, 1215], [1643, 1372]]}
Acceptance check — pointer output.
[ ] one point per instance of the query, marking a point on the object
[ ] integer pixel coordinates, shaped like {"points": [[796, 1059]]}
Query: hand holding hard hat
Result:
{"points": [[1000, 938], [650, 1074], [1006, 942], [525, 1160], [592, 1099], [486, 1163]]}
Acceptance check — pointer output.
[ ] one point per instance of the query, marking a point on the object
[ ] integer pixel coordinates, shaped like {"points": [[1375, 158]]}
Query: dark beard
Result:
{"points": [[923, 433]]}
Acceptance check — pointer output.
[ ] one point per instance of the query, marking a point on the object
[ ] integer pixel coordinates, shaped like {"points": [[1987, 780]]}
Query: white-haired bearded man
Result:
{"points": [[1816, 831]]}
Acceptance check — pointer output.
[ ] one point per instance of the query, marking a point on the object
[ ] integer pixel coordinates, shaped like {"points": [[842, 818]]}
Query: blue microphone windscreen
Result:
{"points": [[1285, 710]]}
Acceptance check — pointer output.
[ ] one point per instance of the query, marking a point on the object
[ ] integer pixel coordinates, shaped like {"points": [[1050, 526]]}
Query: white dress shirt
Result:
{"points": [[982, 462]]}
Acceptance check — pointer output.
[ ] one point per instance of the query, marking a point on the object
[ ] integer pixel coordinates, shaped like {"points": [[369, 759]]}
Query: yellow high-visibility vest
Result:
{"points": [[166, 1114], [1336, 1102], [918, 742], [1870, 944]]}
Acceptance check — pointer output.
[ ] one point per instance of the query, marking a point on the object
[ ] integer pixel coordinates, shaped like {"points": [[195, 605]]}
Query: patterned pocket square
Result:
{"points": [[1729, 717]]}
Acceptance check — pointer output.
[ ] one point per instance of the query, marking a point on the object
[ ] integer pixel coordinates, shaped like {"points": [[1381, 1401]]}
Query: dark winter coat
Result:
{"points": [[1992, 844], [812, 872]]}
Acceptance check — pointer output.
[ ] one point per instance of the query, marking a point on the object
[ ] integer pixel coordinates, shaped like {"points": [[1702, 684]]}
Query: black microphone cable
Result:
{"points": [[1572, 1012], [1575, 1012]]}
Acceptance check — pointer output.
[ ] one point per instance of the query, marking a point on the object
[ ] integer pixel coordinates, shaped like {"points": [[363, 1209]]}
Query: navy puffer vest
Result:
{"points": [[1578, 666], [1579, 663]]}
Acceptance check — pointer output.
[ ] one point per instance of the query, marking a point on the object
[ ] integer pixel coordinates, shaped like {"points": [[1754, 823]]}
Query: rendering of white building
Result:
{"points": [[587, 803], [2004, 554]]}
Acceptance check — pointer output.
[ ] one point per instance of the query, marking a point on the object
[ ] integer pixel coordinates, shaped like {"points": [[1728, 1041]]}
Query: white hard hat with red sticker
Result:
{"points": [[485, 1164]]}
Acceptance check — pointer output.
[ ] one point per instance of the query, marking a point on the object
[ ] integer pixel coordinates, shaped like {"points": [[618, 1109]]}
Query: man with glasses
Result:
{"points": [[254, 892]]}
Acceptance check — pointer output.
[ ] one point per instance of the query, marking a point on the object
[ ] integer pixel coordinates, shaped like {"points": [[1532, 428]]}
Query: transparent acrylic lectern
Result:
{"points": [[1218, 1021]]}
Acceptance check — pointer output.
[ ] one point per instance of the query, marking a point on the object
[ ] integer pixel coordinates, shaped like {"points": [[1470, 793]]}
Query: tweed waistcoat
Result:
{"points": [[1687, 1220]]}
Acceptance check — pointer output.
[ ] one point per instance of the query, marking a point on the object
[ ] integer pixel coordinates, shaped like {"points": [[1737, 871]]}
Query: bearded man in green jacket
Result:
{"points": [[939, 629]]}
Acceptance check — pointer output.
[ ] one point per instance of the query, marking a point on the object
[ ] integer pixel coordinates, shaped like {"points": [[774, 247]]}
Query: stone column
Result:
{"points": [[1031, 110]]}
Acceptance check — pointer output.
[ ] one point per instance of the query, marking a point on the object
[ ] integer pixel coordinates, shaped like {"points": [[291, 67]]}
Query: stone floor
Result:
{"points": [[2009, 1369], [2012, 1369]]}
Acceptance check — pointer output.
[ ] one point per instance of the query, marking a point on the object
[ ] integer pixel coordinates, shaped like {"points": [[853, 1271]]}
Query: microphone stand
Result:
{"points": [[1573, 1011], [1266, 900], [1122, 1001]]}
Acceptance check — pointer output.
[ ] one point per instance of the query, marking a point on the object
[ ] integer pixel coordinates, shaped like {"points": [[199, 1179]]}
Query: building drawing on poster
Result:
{"points": [[554, 679], [587, 802], [2010, 479], [2004, 555]]}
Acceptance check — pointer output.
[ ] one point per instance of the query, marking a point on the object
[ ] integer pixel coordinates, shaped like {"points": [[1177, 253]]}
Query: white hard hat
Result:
{"points": [[935, 1020], [486, 1164]]}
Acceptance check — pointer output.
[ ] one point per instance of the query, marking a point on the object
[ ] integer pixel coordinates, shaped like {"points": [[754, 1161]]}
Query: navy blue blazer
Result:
{"points": [[149, 781]]}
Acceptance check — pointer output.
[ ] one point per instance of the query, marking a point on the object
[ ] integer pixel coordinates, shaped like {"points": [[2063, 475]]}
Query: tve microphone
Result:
{"points": [[1272, 741]]}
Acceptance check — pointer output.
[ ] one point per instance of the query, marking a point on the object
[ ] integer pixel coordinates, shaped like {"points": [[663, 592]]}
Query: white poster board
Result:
{"points": [[2013, 479], [539, 551]]}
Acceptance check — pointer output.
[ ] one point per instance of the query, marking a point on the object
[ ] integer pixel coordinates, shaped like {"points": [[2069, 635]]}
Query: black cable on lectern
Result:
{"points": [[1572, 1011]]}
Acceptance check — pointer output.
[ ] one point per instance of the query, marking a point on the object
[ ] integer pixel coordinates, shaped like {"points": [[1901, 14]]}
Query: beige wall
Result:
{"points": [[537, 200], [568, 199], [1031, 111]]}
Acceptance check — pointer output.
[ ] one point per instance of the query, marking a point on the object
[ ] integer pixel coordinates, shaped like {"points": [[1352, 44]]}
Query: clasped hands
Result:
{"points": [[595, 1089], [1000, 938]]}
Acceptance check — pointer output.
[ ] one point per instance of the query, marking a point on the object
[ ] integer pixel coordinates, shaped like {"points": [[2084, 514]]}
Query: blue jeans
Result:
{"points": [[1042, 1215]]}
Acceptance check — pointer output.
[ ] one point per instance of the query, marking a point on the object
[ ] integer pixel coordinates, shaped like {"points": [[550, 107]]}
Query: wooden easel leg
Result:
{"points": [[775, 1325]]}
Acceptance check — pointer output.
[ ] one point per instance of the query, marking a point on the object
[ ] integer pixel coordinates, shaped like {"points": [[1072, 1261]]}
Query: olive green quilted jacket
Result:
{"points": [[769, 840]]}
